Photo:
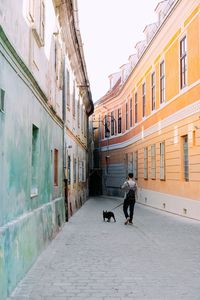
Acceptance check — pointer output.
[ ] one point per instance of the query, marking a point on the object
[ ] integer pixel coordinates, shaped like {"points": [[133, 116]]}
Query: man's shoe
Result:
{"points": [[130, 222], [127, 220]]}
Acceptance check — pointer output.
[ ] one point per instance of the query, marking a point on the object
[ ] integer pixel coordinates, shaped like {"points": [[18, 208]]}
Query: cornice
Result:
{"points": [[75, 138], [183, 113]]}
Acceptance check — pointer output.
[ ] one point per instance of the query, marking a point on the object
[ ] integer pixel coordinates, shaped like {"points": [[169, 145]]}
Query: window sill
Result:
{"points": [[162, 104], [34, 195]]}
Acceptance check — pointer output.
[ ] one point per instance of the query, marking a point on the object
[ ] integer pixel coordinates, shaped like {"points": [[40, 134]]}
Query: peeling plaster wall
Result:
{"points": [[26, 224]]}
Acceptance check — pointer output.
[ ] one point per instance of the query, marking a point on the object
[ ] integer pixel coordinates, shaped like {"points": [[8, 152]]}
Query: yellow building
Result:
{"points": [[150, 117]]}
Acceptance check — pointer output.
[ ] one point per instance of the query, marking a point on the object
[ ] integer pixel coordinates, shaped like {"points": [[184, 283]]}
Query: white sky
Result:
{"points": [[110, 30]]}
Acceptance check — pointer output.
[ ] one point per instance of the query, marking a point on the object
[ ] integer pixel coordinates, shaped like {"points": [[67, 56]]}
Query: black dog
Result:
{"points": [[108, 215]]}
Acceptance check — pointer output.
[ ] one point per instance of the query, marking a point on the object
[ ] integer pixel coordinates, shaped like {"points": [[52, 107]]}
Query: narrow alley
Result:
{"points": [[155, 258]]}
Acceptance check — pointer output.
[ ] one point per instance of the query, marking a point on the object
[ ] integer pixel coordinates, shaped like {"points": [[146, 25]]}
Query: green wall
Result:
{"points": [[26, 224]]}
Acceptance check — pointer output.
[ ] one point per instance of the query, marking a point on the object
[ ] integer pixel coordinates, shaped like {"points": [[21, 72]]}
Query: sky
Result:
{"points": [[110, 30]]}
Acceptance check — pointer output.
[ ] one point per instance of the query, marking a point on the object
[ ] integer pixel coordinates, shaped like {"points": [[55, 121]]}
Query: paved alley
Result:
{"points": [[156, 258]]}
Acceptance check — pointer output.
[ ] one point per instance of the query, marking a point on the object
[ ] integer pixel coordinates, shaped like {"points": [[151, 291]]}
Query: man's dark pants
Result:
{"points": [[129, 203]]}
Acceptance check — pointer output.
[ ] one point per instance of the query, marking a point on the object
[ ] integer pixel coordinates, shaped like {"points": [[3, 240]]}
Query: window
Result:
{"points": [[119, 120], [83, 171], [31, 7], [153, 161], [135, 164], [143, 100], [85, 123], [81, 174], [73, 101], [106, 127], [2, 97], [78, 112], [126, 163], [185, 158], [68, 87], [153, 91], [56, 167], [74, 170], [82, 119], [35, 160], [131, 112], [193, 138], [37, 17], [136, 108], [58, 64], [162, 161], [127, 116], [42, 21], [183, 62], [80, 171], [99, 124], [112, 123], [69, 169], [130, 163], [146, 163], [162, 82]]}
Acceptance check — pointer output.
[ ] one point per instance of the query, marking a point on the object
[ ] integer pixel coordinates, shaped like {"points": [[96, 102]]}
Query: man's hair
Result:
{"points": [[130, 175]]}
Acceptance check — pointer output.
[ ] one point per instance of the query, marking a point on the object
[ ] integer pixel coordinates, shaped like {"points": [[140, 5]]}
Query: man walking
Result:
{"points": [[130, 188]]}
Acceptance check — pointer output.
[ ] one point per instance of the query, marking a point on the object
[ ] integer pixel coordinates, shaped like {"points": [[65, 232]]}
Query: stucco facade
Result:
{"points": [[35, 139], [153, 113], [78, 106]]}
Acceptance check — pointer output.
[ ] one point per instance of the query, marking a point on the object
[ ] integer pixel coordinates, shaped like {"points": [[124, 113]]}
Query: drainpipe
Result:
{"points": [[64, 146]]}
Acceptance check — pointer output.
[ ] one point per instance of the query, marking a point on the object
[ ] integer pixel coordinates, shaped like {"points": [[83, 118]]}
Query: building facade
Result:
{"points": [[36, 48], [78, 107], [149, 120]]}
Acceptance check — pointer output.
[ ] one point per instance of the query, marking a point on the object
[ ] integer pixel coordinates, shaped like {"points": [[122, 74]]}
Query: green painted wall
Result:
{"points": [[26, 224]]}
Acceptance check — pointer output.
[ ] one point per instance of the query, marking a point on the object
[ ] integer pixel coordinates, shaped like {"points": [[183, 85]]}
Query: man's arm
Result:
{"points": [[124, 185]]}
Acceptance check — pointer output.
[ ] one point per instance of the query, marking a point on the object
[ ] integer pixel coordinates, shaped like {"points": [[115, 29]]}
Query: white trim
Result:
{"points": [[131, 112], [181, 37], [176, 117], [162, 60], [127, 125], [135, 93], [144, 111], [119, 107], [153, 72], [182, 206]]}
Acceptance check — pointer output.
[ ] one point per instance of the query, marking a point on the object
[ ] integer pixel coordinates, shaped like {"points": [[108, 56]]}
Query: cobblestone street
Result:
{"points": [[158, 257]]}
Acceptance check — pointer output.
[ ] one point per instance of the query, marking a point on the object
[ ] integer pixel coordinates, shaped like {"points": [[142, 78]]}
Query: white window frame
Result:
{"points": [[135, 164], [181, 87], [135, 111], [145, 162], [162, 160], [153, 88], [153, 161], [126, 117], [144, 99], [163, 77]]}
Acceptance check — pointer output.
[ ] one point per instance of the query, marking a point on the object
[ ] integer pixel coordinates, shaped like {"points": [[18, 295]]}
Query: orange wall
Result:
{"points": [[175, 99]]}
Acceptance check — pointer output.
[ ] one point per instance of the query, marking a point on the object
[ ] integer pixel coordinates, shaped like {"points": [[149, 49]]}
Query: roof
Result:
{"points": [[111, 93]]}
